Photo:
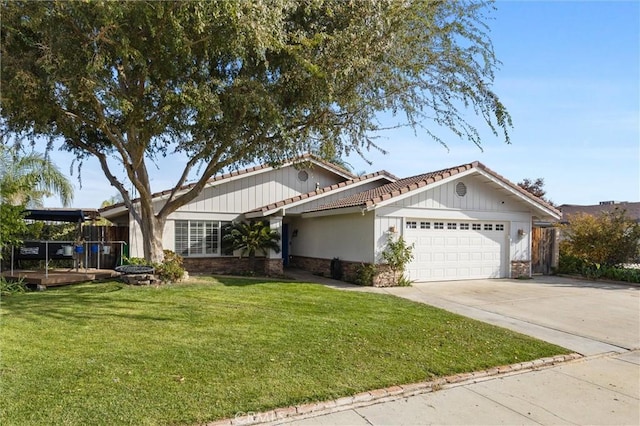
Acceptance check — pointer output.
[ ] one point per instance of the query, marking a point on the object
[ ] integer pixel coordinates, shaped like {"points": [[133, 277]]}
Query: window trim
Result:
{"points": [[216, 226]]}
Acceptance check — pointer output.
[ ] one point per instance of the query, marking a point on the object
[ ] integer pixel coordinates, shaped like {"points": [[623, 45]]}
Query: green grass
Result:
{"points": [[184, 354]]}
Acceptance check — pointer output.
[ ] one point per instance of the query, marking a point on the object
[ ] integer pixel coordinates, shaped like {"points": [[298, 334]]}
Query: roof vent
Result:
{"points": [[461, 189], [303, 175]]}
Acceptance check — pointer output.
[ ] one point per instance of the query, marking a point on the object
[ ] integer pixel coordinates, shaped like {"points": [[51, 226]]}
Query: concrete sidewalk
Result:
{"points": [[595, 391], [598, 320]]}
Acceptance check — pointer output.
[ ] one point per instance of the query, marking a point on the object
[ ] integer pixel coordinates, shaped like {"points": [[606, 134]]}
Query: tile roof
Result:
{"points": [[402, 186], [399, 187], [301, 159], [289, 201]]}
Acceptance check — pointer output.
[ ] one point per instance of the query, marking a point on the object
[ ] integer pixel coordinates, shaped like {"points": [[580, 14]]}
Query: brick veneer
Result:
{"points": [[383, 277], [231, 265], [520, 268]]}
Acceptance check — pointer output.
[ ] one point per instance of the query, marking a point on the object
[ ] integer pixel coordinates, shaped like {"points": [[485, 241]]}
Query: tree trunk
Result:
{"points": [[152, 228]]}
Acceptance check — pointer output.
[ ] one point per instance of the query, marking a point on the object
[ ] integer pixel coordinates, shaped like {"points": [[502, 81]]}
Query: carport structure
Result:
{"points": [[78, 251]]}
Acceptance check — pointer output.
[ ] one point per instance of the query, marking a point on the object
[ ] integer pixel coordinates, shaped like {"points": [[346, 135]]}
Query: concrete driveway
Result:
{"points": [[598, 320], [587, 317]]}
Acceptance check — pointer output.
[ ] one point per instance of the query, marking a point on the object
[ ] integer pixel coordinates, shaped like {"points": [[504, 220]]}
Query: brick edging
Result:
{"points": [[381, 395]]}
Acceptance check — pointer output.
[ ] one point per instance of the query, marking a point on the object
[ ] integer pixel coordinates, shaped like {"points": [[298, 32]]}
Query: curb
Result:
{"points": [[298, 412]]}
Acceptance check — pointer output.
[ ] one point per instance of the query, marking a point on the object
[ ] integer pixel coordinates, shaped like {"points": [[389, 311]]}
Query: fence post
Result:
{"points": [[46, 259]]}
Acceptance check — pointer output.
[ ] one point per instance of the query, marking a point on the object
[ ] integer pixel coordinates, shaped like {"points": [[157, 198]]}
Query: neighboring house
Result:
{"points": [[632, 209], [466, 222]]}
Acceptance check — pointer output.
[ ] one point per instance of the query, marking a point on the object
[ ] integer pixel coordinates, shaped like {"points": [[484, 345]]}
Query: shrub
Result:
{"points": [[365, 273], [610, 238], [397, 255], [574, 265], [170, 270], [9, 287]]}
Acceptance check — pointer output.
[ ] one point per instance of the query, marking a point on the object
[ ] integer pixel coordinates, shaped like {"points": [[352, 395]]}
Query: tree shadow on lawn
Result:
{"points": [[85, 303], [242, 281]]}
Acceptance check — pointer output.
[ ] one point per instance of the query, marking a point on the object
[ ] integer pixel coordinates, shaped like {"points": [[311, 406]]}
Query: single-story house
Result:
{"points": [[465, 222]]}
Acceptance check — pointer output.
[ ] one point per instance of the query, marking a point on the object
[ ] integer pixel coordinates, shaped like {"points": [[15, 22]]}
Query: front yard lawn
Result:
{"points": [[183, 354]]}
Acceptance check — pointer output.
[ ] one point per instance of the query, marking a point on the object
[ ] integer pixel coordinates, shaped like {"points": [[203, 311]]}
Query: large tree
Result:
{"points": [[535, 187], [227, 83]]}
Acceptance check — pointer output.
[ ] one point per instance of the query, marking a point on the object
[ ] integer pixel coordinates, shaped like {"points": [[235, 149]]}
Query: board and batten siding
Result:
{"points": [[253, 191], [349, 237], [482, 202], [384, 227], [225, 201], [480, 196], [520, 246]]}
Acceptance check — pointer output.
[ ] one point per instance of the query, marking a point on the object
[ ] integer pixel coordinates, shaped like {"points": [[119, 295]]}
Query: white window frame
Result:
{"points": [[199, 245]]}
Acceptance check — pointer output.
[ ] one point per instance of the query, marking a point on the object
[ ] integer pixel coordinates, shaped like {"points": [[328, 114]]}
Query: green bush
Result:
{"points": [[365, 273], [9, 287], [170, 270], [398, 254], [610, 238], [570, 264]]}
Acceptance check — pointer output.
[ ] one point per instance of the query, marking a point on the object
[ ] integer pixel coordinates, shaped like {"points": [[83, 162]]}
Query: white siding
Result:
{"points": [[252, 191], [135, 239], [383, 228], [349, 237], [224, 201], [483, 201], [520, 244], [481, 196]]}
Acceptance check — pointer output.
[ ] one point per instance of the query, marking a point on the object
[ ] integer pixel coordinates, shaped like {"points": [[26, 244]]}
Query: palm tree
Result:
{"points": [[26, 179], [250, 238]]}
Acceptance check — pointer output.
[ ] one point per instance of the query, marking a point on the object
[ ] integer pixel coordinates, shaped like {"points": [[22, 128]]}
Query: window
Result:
{"points": [[412, 225], [499, 227], [476, 226], [488, 227], [464, 226], [198, 237], [438, 225], [451, 225], [425, 225]]}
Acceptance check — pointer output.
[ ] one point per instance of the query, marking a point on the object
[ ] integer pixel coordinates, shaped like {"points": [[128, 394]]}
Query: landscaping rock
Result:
{"points": [[140, 279]]}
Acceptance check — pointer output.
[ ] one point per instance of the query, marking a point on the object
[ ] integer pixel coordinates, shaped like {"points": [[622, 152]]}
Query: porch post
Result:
{"points": [[275, 223], [273, 262]]}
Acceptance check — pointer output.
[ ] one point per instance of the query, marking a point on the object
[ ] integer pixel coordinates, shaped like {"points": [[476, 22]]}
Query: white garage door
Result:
{"points": [[456, 250]]}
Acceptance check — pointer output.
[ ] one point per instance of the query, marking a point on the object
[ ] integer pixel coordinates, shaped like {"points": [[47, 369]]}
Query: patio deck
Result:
{"points": [[57, 277]]}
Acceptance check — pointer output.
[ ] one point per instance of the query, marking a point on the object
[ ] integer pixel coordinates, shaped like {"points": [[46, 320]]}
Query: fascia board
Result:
{"points": [[315, 197], [522, 197], [117, 211], [334, 212]]}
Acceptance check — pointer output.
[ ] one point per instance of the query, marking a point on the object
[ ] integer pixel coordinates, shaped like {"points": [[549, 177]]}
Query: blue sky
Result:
{"points": [[570, 77]]}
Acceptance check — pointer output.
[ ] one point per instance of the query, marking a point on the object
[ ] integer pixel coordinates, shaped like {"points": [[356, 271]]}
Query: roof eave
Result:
{"points": [[531, 200]]}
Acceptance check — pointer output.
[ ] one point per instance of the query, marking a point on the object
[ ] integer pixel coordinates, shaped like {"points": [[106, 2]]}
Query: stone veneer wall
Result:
{"points": [[520, 268], [231, 265], [383, 278]]}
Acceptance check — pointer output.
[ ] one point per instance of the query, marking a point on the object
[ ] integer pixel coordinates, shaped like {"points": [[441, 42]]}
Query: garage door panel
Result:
{"points": [[458, 251]]}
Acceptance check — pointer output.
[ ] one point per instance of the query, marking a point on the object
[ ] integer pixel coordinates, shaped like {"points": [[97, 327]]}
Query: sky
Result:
{"points": [[570, 78]]}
